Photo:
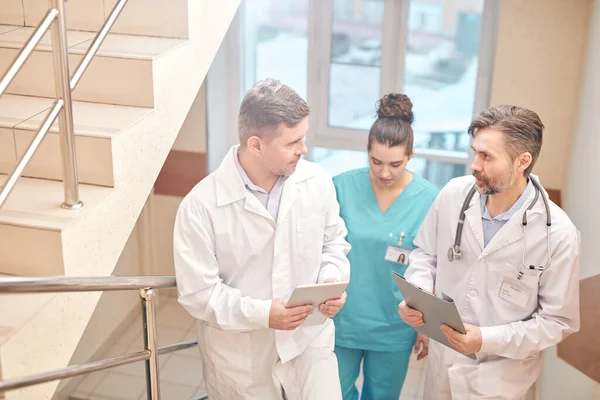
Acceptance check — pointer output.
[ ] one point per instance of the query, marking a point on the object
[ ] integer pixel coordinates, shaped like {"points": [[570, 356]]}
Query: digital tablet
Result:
{"points": [[315, 295]]}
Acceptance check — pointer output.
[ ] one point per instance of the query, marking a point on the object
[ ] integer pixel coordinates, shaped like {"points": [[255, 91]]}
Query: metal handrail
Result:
{"points": [[97, 42], [56, 20], [74, 370], [58, 284], [26, 51], [146, 285], [35, 143]]}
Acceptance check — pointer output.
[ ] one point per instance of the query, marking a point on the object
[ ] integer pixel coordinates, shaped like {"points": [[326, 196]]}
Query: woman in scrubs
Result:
{"points": [[383, 207]]}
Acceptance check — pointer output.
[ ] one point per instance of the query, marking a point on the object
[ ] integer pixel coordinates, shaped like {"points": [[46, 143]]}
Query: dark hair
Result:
{"points": [[268, 104], [393, 125], [522, 129]]}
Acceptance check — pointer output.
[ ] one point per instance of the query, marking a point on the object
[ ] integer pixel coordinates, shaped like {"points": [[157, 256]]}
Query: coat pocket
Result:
{"points": [[523, 299], [227, 356]]}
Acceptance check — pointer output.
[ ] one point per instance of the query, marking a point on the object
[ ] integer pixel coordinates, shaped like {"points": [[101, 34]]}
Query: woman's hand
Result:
{"points": [[421, 346]]}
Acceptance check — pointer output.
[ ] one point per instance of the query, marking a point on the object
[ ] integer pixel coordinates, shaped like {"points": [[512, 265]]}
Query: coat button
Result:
{"points": [[473, 293]]}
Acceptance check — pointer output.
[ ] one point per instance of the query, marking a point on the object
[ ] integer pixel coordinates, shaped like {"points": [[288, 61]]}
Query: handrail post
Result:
{"points": [[62, 80], [150, 343]]}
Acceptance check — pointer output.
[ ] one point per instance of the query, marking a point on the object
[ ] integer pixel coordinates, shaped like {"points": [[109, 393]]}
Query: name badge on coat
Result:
{"points": [[513, 292]]}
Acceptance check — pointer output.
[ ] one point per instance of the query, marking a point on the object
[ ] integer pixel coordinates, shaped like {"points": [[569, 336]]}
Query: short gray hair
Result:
{"points": [[522, 128], [266, 106]]}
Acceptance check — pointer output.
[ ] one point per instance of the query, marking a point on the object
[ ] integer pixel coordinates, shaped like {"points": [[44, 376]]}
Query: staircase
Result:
{"points": [[127, 111]]}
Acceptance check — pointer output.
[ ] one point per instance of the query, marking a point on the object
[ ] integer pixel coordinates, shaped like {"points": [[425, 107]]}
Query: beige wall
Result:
{"points": [[192, 136], [560, 380], [163, 208], [539, 59]]}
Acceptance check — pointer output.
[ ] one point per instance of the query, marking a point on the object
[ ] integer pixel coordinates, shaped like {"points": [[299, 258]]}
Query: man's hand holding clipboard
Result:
{"points": [[437, 318]]}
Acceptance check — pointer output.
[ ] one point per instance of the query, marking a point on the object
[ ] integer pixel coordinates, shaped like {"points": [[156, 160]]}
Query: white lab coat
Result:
{"points": [[232, 258], [513, 337]]}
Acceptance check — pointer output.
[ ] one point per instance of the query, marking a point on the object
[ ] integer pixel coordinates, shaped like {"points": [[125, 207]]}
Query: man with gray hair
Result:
{"points": [[265, 222], [508, 257]]}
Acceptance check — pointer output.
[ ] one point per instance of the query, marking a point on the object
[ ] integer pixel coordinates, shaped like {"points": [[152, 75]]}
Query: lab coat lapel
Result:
{"points": [[288, 197], [513, 229], [253, 205], [473, 221], [304, 171], [230, 187], [509, 233]]}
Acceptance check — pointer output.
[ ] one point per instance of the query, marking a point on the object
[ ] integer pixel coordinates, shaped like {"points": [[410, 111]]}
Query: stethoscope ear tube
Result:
{"points": [[546, 205], [455, 253]]}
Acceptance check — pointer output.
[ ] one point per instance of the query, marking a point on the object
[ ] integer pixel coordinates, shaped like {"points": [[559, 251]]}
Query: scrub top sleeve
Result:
{"points": [[334, 263], [423, 260]]}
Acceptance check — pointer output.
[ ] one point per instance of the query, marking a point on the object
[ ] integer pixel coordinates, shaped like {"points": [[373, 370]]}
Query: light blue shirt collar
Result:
{"points": [[247, 182], [505, 216], [270, 200]]}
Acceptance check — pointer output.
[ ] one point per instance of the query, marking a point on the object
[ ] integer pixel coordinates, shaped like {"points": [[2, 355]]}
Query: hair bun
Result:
{"points": [[396, 106]]}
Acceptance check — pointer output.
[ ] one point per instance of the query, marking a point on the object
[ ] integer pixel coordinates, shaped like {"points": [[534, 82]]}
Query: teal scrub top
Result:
{"points": [[369, 320]]}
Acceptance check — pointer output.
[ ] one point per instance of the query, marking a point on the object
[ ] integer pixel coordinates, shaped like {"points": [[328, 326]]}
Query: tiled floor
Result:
{"points": [[180, 372]]}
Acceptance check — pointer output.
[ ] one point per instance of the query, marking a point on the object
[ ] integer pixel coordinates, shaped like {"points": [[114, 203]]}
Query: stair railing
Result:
{"points": [[62, 107], [147, 286]]}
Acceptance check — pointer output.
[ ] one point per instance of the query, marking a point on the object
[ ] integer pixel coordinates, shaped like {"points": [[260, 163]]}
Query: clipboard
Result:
{"points": [[435, 311]]}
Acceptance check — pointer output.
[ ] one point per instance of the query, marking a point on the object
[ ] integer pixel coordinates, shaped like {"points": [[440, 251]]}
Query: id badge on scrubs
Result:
{"points": [[513, 292], [397, 255]]}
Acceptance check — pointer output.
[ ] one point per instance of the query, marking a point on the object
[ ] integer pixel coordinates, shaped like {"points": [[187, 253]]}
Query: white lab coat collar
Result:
{"points": [[230, 187], [511, 231]]}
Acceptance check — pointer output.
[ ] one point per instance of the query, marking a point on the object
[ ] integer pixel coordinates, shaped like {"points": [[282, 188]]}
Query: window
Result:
{"points": [[337, 161], [425, 17], [274, 42], [354, 64], [343, 55]]}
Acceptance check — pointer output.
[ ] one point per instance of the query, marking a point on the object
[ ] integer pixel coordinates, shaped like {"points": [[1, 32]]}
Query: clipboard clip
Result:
{"points": [[447, 298]]}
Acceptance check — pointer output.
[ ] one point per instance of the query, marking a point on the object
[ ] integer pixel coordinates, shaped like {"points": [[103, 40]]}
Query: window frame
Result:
{"points": [[394, 40]]}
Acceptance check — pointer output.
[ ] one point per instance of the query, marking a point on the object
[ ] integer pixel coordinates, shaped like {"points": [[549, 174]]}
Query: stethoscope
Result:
{"points": [[454, 252]]}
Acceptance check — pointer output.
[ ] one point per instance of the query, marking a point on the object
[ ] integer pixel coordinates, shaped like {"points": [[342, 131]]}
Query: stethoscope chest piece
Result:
{"points": [[454, 254]]}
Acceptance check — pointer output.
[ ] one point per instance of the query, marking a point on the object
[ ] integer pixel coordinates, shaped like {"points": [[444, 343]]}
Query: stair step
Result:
{"points": [[160, 18], [8, 28], [139, 17], [96, 125], [121, 73], [17, 310], [32, 222]]}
